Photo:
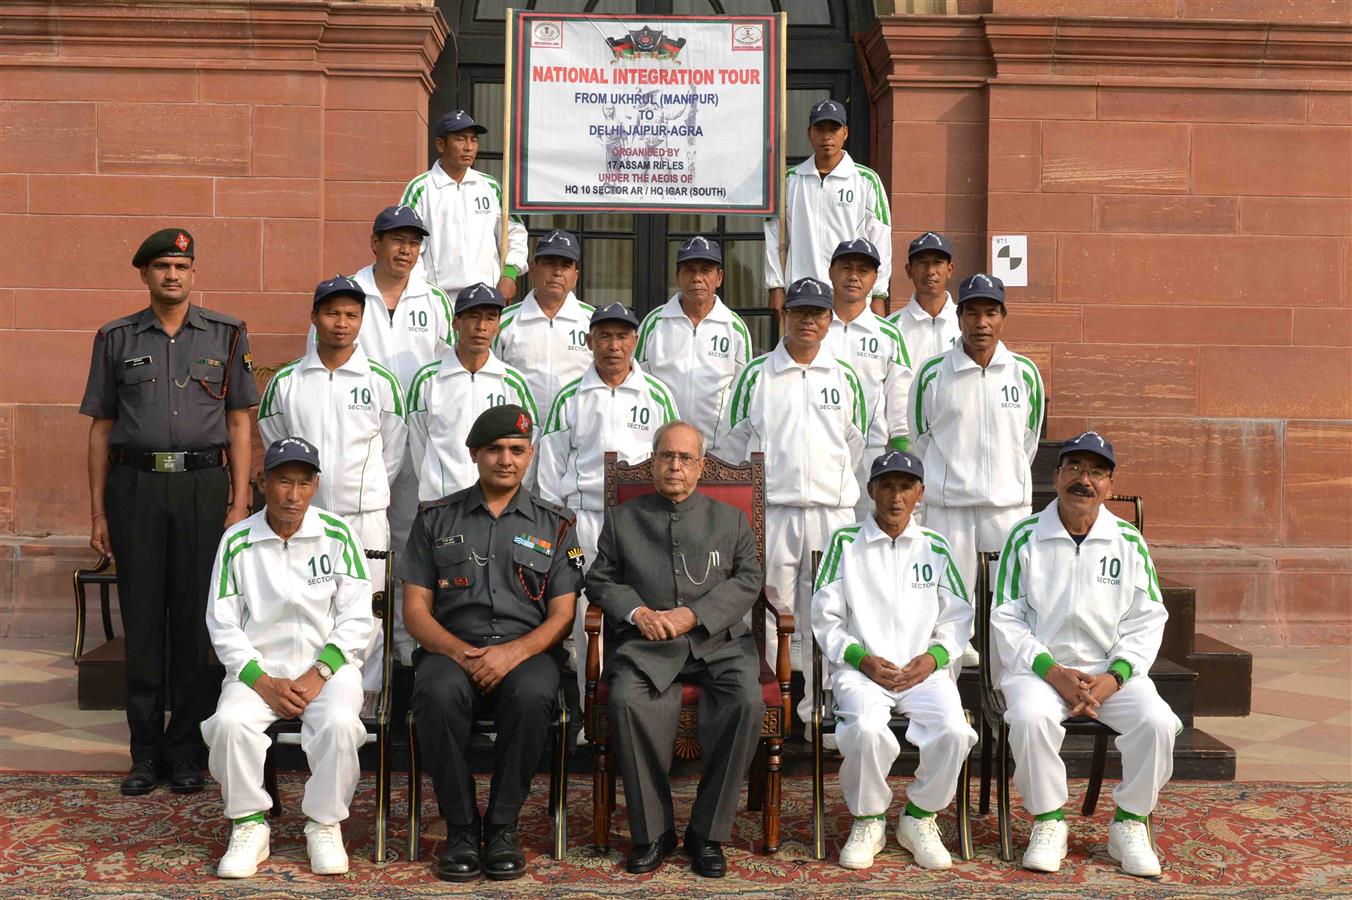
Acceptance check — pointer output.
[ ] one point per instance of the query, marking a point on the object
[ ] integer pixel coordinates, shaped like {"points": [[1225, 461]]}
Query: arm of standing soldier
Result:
{"points": [[393, 421], [918, 409], [240, 452], [856, 429], [99, 429], [552, 452], [731, 599], [735, 436], [897, 393], [415, 407], [878, 230]]}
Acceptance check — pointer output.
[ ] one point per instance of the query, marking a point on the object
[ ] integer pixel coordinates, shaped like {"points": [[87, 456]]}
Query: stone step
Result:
{"points": [[1224, 677]]}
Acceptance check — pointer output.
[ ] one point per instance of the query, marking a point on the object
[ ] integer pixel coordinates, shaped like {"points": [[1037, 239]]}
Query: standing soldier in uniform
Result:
{"points": [[545, 335], [874, 348], [694, 344], [449, 393], [462, 208], [489, 607], [351, 408], [169, 389], [929, 321], [830, 198]]}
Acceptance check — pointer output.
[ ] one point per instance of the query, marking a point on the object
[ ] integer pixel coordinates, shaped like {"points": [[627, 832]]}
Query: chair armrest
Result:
{"points": [[784, 623], [783, 669], [592, 623]]}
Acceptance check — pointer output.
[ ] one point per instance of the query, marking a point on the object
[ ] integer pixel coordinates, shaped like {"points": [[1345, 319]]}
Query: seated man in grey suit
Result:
{"points": [[676, 573]]}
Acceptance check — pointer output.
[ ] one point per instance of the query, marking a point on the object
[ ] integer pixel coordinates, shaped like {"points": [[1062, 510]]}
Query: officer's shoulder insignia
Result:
{"points": [[576, 557], [212, 315], [248, 362]]}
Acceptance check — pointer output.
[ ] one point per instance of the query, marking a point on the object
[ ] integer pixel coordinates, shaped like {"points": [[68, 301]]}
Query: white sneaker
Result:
{"points": [[921, 837], [324, 844], [1129, 844], [828, 738], [249, 845], [867, 837], [970, 657], [1046, 846]]}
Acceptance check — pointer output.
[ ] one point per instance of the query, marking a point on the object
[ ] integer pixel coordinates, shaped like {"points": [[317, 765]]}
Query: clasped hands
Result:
{"points": [[664, 624], [1082, 693], [487, 666], [288, 697], [893, 677]]}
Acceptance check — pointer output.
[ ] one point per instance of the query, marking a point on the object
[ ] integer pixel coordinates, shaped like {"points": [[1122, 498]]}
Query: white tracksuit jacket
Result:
{"points": [[464, 220], [894, 599], [550, 352], [355, 418], [443, 402], [1086, 607], [849, 203], [876, 350], [590, 418], [976, 430], [927, 335], [809, 421], [698, 363], [275, 605]]}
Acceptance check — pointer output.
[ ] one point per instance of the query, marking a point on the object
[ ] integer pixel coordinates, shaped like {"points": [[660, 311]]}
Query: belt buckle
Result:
{"points": [[168, 462]]}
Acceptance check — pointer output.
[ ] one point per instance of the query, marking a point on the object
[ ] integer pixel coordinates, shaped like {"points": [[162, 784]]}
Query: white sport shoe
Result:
{"points": [[828, 738], [1129, 844], [1046, 846], [250, 843], [324, 844], [970, 658], [867, 837], [921, 837]]}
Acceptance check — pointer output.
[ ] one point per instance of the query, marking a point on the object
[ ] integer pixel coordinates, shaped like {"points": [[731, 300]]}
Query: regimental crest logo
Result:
{"points": [[546, 36], [646, 43], [748, 37], [523, 423], [181, 242]]}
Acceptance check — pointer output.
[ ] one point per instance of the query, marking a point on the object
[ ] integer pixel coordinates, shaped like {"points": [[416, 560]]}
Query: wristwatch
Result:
{"points": [[1117, 676], [326, 673]]}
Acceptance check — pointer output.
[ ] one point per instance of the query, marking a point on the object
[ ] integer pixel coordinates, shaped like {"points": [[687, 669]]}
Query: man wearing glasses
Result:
{"points": [[1077, 622]]}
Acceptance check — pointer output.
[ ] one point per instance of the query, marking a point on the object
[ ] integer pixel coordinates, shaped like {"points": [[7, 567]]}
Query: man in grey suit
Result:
{"points": [[676, 573]]}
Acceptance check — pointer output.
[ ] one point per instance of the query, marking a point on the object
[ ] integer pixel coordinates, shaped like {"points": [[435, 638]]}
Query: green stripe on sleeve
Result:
{"points": [[394, 387]]}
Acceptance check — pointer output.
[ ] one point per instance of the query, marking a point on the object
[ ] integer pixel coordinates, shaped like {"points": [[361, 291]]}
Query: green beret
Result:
{"points": [[165, 242], [499, 422]]}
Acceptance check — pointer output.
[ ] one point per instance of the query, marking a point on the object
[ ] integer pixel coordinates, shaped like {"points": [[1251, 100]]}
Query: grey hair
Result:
{"points": [[658, 435]]}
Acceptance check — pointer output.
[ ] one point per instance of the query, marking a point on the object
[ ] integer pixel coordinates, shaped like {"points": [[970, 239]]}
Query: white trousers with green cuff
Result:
{"points": [[937, 727], [331, 733]]}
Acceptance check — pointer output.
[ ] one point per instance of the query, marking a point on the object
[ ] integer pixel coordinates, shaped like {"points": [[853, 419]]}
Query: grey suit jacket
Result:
{"points": [[699, 553]]}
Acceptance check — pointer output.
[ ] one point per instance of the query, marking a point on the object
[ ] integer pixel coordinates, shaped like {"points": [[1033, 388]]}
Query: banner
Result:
{"points": [[652, 114]]}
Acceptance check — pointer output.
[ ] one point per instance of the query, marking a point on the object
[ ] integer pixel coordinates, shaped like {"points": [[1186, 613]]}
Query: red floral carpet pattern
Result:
{"points": [[75, 836]]}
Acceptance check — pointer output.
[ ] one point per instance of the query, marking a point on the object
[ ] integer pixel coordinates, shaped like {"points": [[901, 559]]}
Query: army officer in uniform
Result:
{"points": [[491, 576], [169, 391]]}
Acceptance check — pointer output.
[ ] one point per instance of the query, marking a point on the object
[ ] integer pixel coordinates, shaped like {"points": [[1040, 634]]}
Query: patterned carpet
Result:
{"points": [[73, 835]]}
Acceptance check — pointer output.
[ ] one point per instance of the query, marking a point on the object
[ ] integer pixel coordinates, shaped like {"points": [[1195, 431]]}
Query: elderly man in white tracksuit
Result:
{"points": [[892, 615], [615, 405], [693, 343], [289, 617], [448, 394], [352, 409], [976, 416], [805, 410], [875, 349], [1077, 622], [929, 320]]}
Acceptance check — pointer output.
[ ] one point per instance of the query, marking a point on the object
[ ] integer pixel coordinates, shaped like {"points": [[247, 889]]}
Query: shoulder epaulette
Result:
{"points": [[221, 317], [448, 500], [121, 323], [557, 508]]}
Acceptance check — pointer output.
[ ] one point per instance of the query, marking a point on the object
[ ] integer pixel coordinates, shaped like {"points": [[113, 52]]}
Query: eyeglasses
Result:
{"points": [[1096, 473], [683, 460]]}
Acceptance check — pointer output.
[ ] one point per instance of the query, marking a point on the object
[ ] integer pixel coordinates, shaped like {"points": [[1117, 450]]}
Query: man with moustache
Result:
{"points": [[169, 392], [1077, 623], [929, 320]]}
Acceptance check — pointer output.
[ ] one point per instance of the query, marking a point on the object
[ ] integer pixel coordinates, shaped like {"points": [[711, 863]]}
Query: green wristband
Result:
{"points": [[940, 655], [854, 655], [510, 272], [332, 657], [1121, 667], [1042, 664], [251, 673]]}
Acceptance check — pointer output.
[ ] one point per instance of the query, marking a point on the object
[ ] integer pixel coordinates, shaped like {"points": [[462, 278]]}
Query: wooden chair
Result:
{"points": [[898, 724], [995, 751], [104, 574], [375, 715], [742, 486]]}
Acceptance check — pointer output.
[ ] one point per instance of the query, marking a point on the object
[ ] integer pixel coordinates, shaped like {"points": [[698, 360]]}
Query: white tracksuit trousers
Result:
{"points": [[1146, 729], [331, 733], [938, 728], [588, 527], [973, 529]]}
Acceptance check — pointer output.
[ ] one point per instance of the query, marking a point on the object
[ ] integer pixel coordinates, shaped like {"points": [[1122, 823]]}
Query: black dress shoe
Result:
{"points": [[646, 857], [459, 860], [141, 779], [706, 856], [503, 859], [185, 778]]}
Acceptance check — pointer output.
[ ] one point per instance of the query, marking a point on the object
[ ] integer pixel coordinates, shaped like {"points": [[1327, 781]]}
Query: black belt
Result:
{"points": [[168, 461]]}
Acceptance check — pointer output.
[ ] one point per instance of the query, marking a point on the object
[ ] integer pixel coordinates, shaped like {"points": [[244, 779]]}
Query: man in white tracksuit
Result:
{"points": [[805, 410], [545, 335], [615, 405], [830, 198], [462, 208], [352, 409], [875, 349], [450, 392], [892, 615], [289, 617], [693, 343], [929, 320], [1077, 622], [976, 416]]}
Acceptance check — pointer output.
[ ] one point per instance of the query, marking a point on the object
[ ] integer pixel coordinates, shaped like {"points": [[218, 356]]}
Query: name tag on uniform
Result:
{"points": [[539, 545], [137, 362], [453, 539]]}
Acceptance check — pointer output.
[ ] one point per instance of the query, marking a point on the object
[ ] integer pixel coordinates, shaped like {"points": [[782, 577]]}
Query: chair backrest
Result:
{"points": [[984, 592], [1137, 509], [382, 607], [741, 486]]}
